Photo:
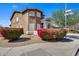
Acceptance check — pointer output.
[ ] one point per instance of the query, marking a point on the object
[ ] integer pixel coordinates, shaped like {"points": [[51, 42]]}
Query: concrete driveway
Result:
{"points": [[65, 48]]}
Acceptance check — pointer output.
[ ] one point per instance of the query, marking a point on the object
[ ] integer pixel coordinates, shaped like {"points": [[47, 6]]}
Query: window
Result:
{"points": [[32, 20], [17, 19], [38, 20], [41, 25], [31, 13], [48, 26], [38, 14]]}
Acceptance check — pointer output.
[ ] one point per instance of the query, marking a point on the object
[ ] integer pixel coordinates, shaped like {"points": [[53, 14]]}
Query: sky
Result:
{"points": [[7, 9]]}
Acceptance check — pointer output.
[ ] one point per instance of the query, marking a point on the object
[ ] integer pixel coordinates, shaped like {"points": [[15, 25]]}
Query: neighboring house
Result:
{"points": [[45, 23], [48, 24], [29, 20]]}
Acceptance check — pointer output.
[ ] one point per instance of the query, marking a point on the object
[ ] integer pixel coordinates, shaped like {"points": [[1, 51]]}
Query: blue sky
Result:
{"points": [[6, 9]]}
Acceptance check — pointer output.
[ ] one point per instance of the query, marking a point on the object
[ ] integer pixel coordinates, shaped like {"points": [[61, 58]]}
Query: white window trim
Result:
{"points": [[17, 19]]}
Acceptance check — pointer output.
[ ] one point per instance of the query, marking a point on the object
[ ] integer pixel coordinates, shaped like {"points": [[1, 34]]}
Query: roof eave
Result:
{"points": [[14, 13]]}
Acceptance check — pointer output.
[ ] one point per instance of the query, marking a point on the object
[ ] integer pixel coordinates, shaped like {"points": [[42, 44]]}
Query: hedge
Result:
{"points": [[52, 34], [12, 33]]}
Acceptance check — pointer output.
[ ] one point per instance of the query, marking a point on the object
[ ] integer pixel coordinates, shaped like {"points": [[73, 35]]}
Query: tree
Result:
{"points": [[59, 18]]}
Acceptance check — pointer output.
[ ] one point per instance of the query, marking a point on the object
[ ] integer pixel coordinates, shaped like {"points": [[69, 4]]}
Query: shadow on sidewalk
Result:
{"points": [[21, 40], [66, 40], [59, 40]]}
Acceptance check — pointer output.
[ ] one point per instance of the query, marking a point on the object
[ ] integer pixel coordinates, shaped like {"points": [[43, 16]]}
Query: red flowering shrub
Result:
{"points": [[50, 34], [2, 32], [41, 32]]}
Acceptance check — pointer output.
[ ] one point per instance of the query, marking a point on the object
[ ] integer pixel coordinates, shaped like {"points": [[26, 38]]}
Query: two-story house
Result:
{"points": [[29, 20]]}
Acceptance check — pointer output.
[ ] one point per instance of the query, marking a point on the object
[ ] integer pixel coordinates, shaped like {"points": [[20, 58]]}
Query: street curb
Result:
{"points": [[75, 51]]}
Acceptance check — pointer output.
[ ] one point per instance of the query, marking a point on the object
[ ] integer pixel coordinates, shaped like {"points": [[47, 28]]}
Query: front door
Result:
{"points": [[31, 28]]}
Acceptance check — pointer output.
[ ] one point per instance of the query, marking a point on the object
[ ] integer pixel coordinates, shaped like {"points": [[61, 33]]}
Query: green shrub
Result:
{"points": [[12, 33]]}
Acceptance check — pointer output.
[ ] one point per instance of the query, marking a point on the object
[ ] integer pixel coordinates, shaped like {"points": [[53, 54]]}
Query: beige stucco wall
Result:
{"points": [[14, 23], [22, 21], [25, 22]]}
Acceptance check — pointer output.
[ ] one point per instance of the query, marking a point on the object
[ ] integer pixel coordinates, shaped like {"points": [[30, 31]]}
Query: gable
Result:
{"points": [[14, 13]]}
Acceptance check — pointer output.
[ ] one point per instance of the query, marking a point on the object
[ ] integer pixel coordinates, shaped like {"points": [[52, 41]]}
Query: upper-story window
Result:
{"points": [[17, 19], [38, 14], [31, 13]]}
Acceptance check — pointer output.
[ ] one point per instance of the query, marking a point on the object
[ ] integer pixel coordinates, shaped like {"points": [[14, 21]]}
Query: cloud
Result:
{"points": [[14, 6]]}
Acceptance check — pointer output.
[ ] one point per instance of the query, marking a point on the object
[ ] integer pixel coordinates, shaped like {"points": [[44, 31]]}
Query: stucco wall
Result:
{"points": [[15, 24], [25, 22]]}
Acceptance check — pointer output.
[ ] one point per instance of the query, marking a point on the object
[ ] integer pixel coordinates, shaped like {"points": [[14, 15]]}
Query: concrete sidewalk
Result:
{"points": [[65, 48], [42, 49], [73, 34]]}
